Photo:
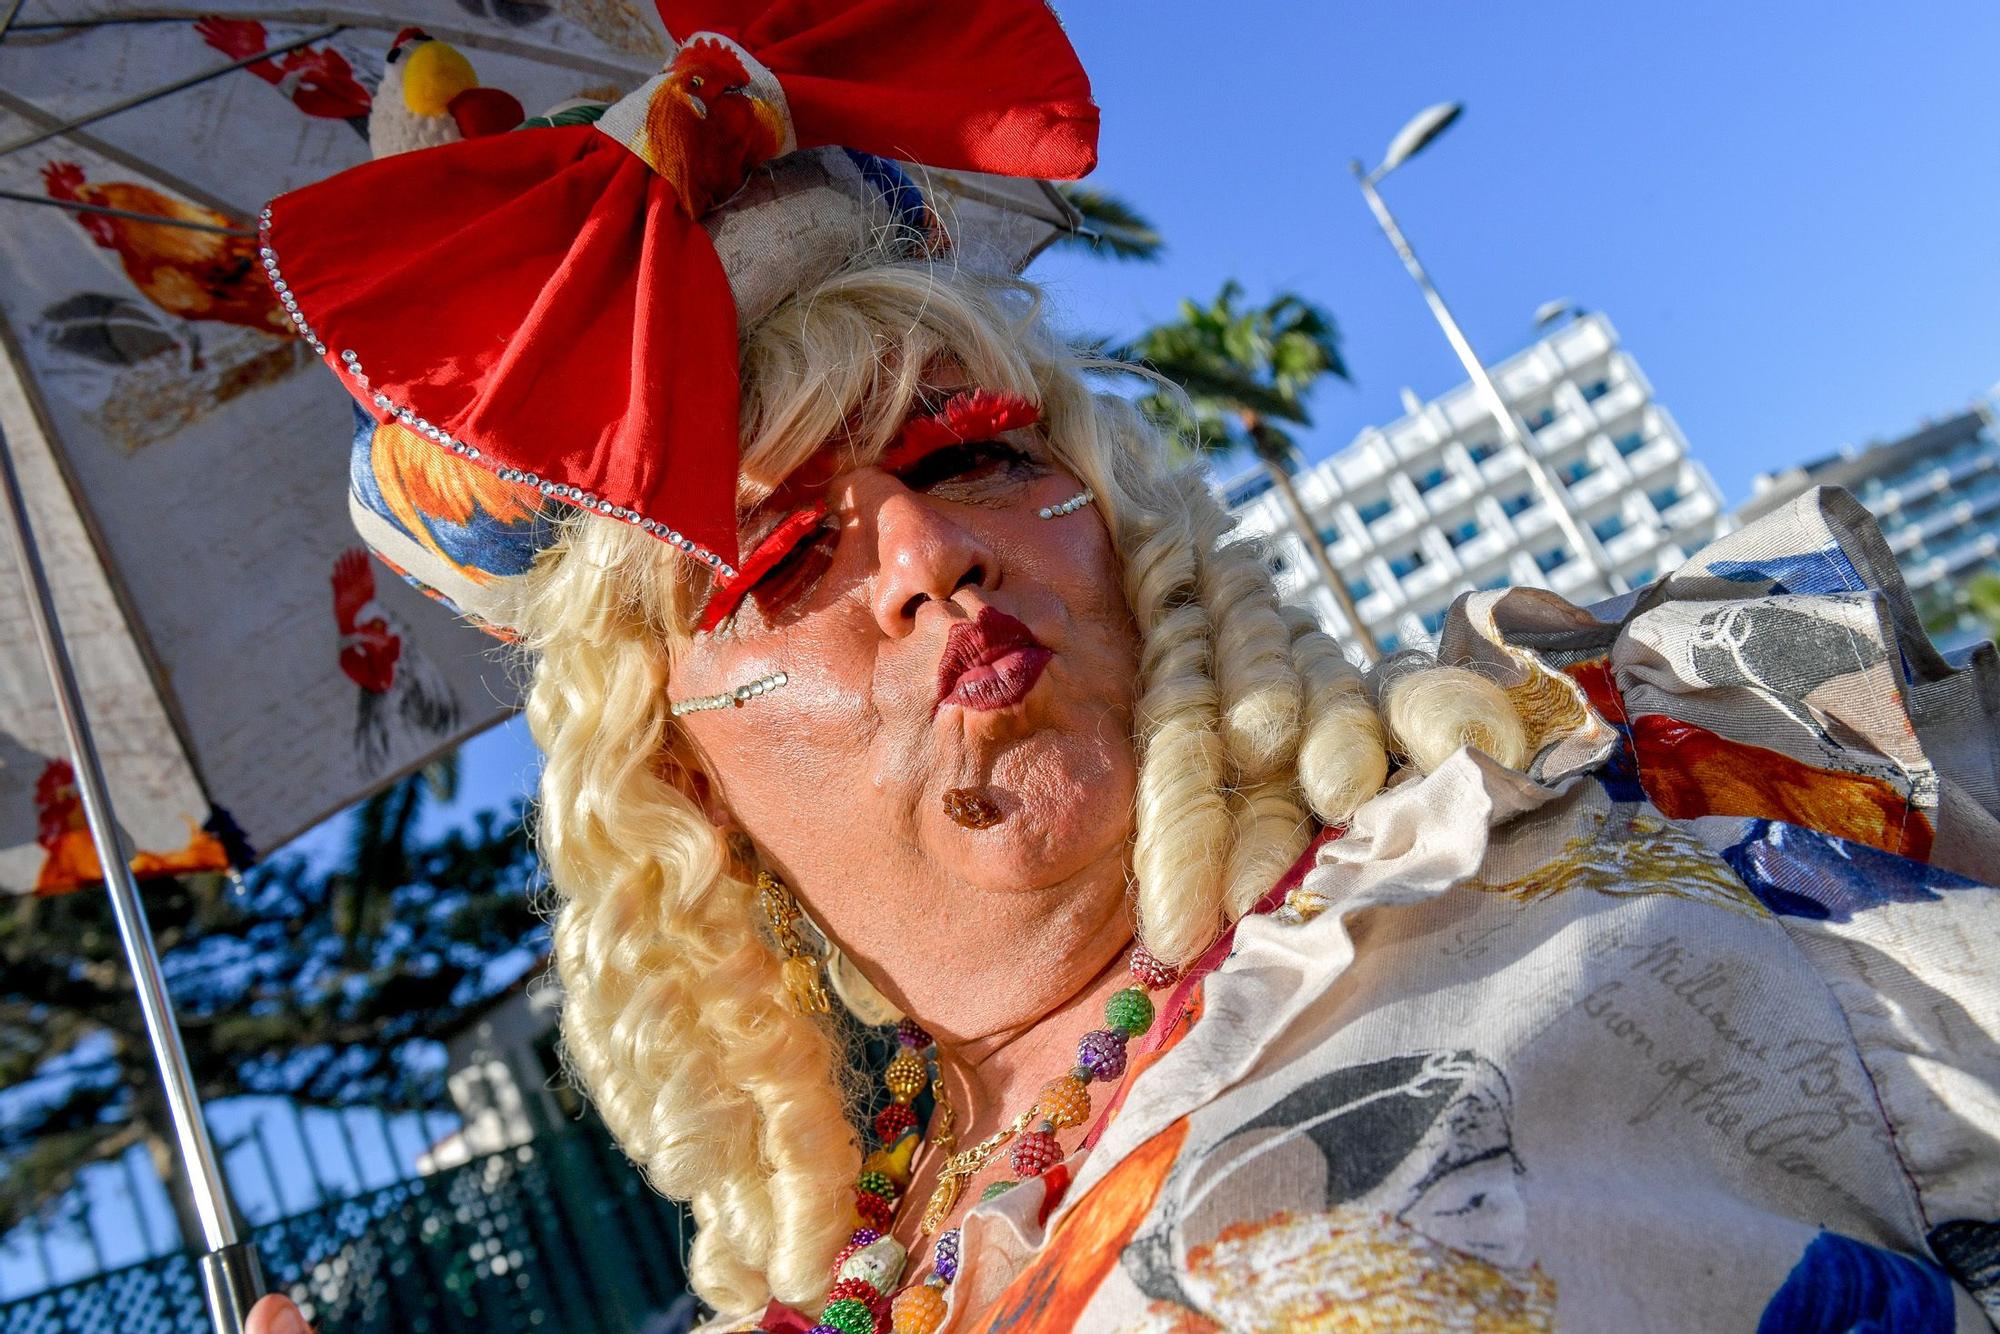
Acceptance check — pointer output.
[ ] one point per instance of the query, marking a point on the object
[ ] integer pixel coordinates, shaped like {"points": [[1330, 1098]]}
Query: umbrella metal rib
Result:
{"points": [[78, 206], [467, 38], [164, 90], [132, 162]]}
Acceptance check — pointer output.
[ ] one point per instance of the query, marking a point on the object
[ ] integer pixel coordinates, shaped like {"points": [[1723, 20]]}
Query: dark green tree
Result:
{"points": [[1972, 603], [329, 987], [1244, 376]]}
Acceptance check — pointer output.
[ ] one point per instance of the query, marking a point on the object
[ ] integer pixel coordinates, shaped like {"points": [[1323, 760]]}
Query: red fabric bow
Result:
{"points": [[543, 301]]}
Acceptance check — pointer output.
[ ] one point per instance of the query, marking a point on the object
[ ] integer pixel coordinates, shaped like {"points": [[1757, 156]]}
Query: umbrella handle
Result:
{"points": [[233, 1280], [230, 1266]]}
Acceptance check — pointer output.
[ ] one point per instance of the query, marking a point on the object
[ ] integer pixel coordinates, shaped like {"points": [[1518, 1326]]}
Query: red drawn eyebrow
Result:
{"points": [[729, 593], [977, 414]]}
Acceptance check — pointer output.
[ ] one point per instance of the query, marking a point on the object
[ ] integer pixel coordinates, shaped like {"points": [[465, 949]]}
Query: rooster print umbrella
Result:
{"points": [[197, 653], [246, 667]]}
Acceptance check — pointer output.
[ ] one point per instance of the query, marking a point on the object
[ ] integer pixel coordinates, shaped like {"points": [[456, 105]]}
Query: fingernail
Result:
{"points": [[289, 1321]]}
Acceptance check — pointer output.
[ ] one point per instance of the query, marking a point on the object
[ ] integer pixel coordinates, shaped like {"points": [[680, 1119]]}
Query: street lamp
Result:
{"points": [[1549, 312], [1425, 126]]}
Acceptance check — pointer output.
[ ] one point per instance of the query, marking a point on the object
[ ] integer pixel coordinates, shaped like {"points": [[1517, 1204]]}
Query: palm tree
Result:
{"points": [[1244, 372], [1968, 607], [1109, 227]]}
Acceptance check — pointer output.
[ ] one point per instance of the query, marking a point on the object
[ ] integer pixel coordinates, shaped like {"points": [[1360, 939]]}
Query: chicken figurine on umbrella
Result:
{"points": [[429, 96]]}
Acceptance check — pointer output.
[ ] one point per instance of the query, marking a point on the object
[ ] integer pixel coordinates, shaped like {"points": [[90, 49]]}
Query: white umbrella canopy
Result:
{"points": [[186, 461], [225, 659]]}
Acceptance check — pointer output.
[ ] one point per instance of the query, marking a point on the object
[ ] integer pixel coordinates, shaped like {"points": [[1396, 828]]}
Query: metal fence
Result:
{"points": [[509, 1208], [558, 1233]]}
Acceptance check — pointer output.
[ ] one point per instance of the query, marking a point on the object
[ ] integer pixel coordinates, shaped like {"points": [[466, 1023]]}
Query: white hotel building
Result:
{"points": [[1435, 503]]}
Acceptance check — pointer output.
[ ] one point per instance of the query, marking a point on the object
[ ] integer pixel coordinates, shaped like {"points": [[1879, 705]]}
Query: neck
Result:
{"points": [[1007, 992], [992, 1079]]}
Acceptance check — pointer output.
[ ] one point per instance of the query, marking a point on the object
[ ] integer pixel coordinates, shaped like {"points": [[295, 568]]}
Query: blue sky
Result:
{"points": [[1788, 211], [1791, 213]]}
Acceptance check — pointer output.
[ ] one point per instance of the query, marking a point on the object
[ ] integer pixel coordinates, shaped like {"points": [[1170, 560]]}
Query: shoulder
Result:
{"points": [[1676, 1003], [1781, 674]]}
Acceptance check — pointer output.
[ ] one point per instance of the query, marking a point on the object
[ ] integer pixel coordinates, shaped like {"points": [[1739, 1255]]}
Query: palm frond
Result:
{"points": [[1111, 227]]}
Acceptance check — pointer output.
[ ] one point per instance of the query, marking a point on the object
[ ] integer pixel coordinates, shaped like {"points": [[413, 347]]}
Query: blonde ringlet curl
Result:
{"points": [[1249, 726]]}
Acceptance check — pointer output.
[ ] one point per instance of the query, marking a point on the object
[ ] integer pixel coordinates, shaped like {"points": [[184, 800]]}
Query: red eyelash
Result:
{"points": [[729, 593], [978, 414]]}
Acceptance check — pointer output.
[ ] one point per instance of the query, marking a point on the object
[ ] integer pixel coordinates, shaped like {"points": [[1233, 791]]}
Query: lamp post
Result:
{"points": [[1425, 126]]}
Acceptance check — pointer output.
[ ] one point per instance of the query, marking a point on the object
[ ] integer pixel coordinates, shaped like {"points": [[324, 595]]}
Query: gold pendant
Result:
{"points": [[944, 1123], [942, 1200], [802, 980]]}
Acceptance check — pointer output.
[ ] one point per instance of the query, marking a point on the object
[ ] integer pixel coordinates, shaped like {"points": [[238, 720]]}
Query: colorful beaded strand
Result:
{"points": [[864, 1298], [867, 1268], [1064, 1101], [920, 1308]]}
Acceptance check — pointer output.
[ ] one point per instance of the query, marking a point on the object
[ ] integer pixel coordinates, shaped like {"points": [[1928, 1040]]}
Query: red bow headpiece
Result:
{"points": [[548, 303]]}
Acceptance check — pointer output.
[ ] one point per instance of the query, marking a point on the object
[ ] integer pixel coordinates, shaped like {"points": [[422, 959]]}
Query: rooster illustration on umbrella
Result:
{"points": [[318, 80], [69, 857], [398, 685], [194, 274]]}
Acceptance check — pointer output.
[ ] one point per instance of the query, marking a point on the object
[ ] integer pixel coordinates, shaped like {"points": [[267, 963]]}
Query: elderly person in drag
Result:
{"points": [[1620, 967]]}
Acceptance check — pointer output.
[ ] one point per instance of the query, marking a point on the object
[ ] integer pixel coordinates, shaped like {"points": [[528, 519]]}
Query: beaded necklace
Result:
{"points": [[865, 1298]]}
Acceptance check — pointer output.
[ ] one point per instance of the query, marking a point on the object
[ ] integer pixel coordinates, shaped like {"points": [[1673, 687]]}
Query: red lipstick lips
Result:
{"points": [[991, 662]]}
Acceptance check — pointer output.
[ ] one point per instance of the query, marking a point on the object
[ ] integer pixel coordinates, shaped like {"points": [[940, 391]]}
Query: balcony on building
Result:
{"points": [[1438, 501], [1689, 511], [1597, 485], [1247, 488], [1620, 399]]}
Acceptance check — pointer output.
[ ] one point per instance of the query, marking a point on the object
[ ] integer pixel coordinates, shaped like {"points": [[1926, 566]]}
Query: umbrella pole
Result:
{"points": [[231, 1274]]}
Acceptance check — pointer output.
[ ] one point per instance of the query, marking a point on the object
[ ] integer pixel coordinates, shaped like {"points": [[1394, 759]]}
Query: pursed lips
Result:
{"points": [[990, 662]]}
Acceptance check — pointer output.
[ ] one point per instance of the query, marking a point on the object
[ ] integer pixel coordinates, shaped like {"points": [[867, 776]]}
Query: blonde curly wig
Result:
{"points": [[1250, 725]]}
